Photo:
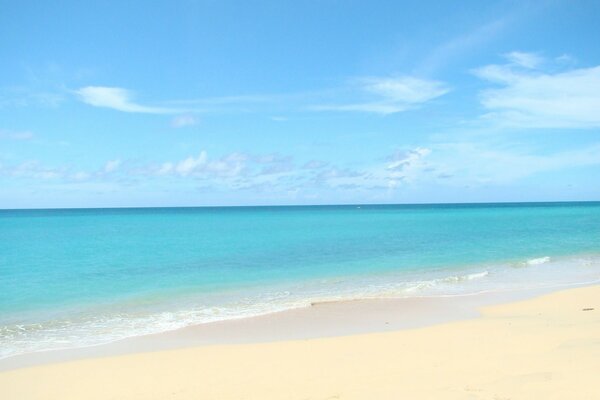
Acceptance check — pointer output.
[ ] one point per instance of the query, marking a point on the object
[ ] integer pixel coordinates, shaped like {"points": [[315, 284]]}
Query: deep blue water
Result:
{"points": [[86, 276]]}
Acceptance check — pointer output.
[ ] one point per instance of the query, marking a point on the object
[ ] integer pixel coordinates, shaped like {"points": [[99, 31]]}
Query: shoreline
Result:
{"points": [[543, 347], [29, 329], [319, 320]]}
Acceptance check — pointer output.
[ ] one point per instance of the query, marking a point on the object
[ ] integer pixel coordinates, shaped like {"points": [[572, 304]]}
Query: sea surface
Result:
{"points": [[81, 277]]}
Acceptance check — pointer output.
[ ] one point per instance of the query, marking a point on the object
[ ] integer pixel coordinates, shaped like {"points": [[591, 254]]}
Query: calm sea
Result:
{"points": [[72, 278]]}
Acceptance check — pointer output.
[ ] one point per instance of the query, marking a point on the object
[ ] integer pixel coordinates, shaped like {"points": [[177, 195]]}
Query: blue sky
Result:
{"points": [[298, 102]]}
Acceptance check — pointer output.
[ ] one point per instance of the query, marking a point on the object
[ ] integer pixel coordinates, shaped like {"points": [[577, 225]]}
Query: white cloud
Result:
{"points": [[447, 164], [118, 99], [184, 120], [406, 166], [406, 160], [373, 95], [191, 164], [391, 95], [403, 167], [233, 171], [473, 164], [201, 166], [535, 99]]}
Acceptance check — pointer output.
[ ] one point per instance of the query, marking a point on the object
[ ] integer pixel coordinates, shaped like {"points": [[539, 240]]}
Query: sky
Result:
{"points": [[197, 103]]}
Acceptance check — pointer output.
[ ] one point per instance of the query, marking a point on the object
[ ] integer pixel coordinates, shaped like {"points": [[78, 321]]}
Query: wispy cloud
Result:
{"points": [[27, 97], [233, 168], [458, 46], [439, 164], [404, 164], [31, 170], [119, 99], [211, 102], [525, 60], [112, 166], [390, 95], [452, 164], [34, 169], [381, 95], [181, 121], [15, 135], [507, 164], [531, 98]]}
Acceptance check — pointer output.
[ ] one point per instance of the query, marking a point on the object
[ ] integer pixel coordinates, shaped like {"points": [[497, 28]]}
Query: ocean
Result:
{"points": [[81, 277]]}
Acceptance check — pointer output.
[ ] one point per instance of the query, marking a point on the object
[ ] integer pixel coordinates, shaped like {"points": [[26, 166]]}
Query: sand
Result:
{"points": [[542, 348]]}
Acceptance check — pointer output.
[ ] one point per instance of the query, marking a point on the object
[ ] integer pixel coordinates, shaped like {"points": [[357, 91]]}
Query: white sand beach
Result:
{"points": [[546, 347]]}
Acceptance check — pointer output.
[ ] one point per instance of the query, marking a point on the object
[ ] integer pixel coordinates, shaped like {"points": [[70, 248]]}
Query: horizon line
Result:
{"points": [[304, 205]]}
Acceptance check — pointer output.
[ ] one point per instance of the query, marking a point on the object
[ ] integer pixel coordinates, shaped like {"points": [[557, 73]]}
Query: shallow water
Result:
{"points": [[72, 278]]}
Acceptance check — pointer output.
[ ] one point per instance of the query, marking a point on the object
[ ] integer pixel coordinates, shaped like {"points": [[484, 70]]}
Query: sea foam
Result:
{"points": [[537, 261]]}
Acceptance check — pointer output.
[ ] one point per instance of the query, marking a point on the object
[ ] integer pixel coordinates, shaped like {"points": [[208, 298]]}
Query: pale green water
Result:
{"points": [[80, 277]]}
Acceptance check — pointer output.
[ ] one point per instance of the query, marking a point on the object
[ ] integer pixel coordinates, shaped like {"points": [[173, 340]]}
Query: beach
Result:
{"points": [[299, 200], [542, 347]]}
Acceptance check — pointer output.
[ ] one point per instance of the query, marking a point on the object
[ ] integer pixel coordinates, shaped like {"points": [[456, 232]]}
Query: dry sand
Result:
{"points": [[544, 348]]}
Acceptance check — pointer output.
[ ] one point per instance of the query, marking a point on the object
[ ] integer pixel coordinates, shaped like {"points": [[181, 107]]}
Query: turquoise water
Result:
{"points": [[73, 278]]}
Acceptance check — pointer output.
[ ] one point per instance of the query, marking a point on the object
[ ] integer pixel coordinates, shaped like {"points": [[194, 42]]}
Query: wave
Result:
{"points": [[468, 277], [538, 261], [104, 327], [533, 262], [100, 326], [411, 287]]}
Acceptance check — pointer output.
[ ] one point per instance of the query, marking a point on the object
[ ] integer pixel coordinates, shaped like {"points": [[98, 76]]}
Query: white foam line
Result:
{"points": [[304, 303]]}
